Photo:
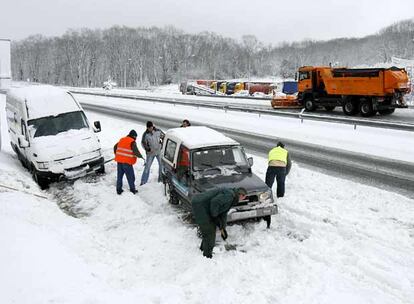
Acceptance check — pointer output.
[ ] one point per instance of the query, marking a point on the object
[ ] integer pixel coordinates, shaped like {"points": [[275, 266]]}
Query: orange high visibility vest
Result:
{"points": [[124, 153]]}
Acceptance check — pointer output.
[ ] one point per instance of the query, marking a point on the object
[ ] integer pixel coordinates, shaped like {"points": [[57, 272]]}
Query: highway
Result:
{"points": [[393, 175], [402, 119]]}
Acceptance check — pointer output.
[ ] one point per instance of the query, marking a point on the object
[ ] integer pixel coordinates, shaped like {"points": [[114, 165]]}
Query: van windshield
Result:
{"points": [[52, 125], [218, 157]]}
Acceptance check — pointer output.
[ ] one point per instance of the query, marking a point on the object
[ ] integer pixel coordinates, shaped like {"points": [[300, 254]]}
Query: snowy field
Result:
{"points": [[333, 242], [380, 142]]}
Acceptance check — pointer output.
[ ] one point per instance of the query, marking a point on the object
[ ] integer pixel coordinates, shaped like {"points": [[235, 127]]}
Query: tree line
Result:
{"points": [[138, 57]]}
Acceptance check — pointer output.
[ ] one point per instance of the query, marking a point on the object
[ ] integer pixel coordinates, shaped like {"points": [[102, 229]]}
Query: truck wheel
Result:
{"points": [[386, 111], [350, 108], [366, 109], [310, 105], [42, 182], [170, 193], [329, 108]]}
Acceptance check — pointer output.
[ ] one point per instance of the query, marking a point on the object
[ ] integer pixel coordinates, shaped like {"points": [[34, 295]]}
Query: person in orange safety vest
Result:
{"points": [[126, 154]]}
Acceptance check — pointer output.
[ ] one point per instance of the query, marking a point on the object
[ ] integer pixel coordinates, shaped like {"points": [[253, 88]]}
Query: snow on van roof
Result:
{"points": [[198, 137], [44, 100]]}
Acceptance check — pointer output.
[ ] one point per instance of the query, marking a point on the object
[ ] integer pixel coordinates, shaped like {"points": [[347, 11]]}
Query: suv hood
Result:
{"points": [[249, 181], [65, 145]]}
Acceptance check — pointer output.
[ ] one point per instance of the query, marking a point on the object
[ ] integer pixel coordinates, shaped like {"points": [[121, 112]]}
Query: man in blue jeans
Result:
{"points": [[126, 154], [152, 143]]}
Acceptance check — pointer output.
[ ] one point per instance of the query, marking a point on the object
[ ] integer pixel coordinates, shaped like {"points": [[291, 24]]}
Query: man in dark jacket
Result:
{"points": [[210, 210], [126, 154], [152, 143], [279, 167]]}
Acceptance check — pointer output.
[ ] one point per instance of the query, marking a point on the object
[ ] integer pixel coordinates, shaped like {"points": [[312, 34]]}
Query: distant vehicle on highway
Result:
{"points": [[364, 91], [51, 135], [109, 84]]}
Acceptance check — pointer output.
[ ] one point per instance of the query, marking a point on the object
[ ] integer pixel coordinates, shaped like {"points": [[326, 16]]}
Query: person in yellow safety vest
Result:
{"points": [[279, 166], [126, 154]]}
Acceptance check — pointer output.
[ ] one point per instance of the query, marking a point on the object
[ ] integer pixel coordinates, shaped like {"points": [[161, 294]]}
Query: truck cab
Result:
{"points": [[197, 159]]}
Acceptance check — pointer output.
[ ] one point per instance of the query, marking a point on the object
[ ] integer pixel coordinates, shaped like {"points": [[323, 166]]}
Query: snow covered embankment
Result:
{"points": [[338, 242]]}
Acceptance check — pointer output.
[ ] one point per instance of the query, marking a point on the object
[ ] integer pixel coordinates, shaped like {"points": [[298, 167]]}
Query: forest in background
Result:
{"points": [[139, 57]]}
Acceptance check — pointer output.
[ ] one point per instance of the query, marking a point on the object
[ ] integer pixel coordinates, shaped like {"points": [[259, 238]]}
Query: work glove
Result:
{"points": [[223, 233]]}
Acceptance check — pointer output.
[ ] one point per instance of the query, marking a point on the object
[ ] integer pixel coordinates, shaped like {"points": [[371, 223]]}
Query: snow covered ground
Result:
{"points": [[386, 143], [334, 241]]}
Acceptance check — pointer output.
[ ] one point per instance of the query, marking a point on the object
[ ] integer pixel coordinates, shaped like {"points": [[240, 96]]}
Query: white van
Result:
{"points": [[51, 135]]}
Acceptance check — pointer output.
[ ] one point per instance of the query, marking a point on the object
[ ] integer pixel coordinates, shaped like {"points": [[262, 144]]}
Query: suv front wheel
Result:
{"points": [[169, 192]]}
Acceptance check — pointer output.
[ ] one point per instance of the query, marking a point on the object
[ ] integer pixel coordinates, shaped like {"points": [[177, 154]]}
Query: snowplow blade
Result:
{"points": [[285, 102]]}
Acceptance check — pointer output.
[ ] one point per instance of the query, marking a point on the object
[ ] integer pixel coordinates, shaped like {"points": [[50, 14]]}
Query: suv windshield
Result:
{"points": [[53, 125], [219, 157]]}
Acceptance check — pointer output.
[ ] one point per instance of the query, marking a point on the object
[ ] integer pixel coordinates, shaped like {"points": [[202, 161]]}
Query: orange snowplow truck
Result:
{"points": [[364, 91]]}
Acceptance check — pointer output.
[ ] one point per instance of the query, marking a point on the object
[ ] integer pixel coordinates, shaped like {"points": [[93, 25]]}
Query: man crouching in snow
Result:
{"points": [[210, 210]]}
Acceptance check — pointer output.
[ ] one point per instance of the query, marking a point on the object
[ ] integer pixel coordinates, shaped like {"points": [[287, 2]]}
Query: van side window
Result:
{"points": [[170, 150]]}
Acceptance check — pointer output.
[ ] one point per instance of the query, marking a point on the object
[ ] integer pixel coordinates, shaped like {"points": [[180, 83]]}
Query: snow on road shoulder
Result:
{"points": [[334, 241]]}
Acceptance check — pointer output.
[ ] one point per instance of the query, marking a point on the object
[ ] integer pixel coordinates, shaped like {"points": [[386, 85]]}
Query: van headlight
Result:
{"points": [[43, 165], [266, 197]]}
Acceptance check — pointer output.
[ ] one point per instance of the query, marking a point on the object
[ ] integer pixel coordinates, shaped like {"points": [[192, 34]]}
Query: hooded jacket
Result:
{"points": [[152, 141]]}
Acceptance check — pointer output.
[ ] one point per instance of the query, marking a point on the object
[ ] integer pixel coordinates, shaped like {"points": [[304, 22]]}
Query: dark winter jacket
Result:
{"points": [[212, 206], [152, 141]]}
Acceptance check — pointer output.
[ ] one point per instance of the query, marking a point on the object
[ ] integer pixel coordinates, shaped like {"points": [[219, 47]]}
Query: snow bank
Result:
{"points": [[334, 241]]}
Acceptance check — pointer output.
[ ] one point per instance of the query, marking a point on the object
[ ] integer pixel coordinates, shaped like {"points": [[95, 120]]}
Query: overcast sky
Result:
{"points": [[272, 21]]}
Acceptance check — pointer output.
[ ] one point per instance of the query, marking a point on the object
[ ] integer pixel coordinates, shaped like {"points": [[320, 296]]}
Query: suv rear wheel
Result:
{"points": [[169, 192]]}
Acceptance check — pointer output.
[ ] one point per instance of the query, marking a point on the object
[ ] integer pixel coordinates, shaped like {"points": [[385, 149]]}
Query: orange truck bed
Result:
{"points": [[366, 91], [366, 82]]}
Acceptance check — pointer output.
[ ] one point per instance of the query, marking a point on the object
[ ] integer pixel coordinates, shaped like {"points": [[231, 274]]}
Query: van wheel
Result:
{"points": [[170, 193], [350, 108], [101, 170], [268, 220], [41, 181]]}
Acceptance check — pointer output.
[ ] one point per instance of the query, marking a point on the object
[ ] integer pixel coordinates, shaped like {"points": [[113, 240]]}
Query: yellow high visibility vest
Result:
{"points": [[279, 154]]}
